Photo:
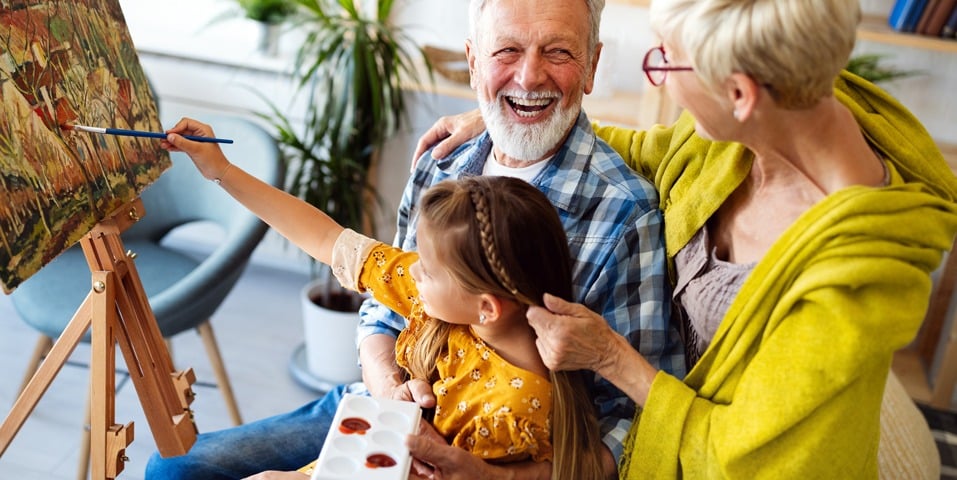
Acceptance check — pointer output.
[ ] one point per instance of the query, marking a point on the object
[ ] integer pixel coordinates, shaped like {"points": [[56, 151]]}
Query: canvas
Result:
{"points": [[67, 62]]}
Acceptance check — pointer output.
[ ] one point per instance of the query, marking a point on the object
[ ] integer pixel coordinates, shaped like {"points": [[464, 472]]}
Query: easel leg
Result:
{"points": [[108, 441], [48, 370], [120, 313]]}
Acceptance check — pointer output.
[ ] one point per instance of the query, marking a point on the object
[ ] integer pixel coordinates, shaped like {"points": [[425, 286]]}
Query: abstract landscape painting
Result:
{"points": [[67, 62]]}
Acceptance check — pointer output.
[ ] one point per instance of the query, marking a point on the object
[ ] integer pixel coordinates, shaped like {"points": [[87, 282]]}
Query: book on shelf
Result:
{"points": [[906, 14], [935, 16], [949, 30]]}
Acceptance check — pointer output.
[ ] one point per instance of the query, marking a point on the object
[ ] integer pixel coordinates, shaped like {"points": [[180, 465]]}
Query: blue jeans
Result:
{"points": [[282, 442]]}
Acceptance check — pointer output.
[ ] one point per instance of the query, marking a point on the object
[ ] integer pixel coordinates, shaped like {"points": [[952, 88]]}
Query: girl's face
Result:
{"points": [[442, 297]]}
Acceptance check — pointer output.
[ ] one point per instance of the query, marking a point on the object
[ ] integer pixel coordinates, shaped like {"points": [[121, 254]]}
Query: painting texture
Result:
{"points": [[67, 62]]}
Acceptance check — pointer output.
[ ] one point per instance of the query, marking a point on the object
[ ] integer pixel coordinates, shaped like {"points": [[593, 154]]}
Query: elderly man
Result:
{"points": [[531, 63]]}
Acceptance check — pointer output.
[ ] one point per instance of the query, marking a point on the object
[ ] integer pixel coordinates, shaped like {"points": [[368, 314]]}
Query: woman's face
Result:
{"points": [[441, 295], [712, 113]]}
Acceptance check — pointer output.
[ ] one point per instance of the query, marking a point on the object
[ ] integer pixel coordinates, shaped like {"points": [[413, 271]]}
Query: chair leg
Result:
{"points": [[40, 350], [205, 330], [83, 464]]}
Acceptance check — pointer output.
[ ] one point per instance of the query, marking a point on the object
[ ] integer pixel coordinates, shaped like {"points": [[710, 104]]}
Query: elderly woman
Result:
{"points": [[804, 210]]}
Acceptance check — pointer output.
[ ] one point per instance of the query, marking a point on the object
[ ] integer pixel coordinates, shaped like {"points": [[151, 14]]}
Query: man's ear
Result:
{"points": [[470, 57], [743, 91], [590, 81]]}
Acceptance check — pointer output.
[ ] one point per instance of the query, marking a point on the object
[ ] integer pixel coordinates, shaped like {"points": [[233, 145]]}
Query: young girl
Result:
{"points": [[488, 248]]}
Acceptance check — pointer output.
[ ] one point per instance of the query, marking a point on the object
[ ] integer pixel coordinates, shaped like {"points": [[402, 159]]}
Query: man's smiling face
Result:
{"points": [[530, 67]]}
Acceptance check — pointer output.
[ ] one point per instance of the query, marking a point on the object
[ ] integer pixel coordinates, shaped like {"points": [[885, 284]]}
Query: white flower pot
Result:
{"points": [[330, 340]]}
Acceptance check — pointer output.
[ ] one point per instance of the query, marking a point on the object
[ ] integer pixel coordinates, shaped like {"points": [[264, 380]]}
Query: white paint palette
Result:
{"points": [[367, 440]]}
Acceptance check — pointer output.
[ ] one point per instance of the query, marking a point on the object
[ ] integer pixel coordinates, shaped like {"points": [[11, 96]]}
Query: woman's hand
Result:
{"points": [[207, 157], [572, 337], [448, 133]]}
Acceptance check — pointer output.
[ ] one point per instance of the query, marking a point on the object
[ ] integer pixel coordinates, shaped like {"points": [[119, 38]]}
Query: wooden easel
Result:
{"points": [[119, 312]]}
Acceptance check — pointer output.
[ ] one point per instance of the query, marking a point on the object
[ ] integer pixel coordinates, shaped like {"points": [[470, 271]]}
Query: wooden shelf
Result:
{"points": [[876, 29]]}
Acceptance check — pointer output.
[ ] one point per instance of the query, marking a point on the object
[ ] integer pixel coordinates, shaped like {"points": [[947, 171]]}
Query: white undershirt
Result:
{"points": [[493, 168]]}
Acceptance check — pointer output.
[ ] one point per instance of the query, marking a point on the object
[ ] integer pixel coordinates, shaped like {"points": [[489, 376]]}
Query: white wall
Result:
{"points": [[200, 66]]}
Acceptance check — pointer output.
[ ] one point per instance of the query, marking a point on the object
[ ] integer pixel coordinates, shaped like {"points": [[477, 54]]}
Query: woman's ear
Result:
{"points": [[742, 91]]}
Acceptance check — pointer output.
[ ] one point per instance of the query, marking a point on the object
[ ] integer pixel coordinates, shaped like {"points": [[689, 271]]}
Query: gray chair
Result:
{"points": [[184, 289]]}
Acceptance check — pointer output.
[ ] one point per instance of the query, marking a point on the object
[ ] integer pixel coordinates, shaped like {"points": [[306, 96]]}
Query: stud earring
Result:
{"points": [[481, 318], [735, 114]]}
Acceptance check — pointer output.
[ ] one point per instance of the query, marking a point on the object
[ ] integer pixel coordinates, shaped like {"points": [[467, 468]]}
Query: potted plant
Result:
{"points": [[351, 68], [271, 15]]}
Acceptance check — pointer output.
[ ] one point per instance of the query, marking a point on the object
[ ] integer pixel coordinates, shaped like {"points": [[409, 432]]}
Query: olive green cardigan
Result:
{"points": [[791, 384]]}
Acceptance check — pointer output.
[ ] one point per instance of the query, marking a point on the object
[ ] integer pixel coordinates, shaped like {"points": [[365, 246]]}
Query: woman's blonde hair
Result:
{"points": [[501, 235], [795, 48]]}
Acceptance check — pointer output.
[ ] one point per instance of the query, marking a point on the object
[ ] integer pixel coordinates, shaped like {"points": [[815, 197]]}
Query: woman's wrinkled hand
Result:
{"points": [[570, 336], [447, 133]]}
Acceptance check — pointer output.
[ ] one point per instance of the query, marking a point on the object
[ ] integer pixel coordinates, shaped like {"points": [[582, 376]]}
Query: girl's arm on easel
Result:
{"points": [[304, 225]]}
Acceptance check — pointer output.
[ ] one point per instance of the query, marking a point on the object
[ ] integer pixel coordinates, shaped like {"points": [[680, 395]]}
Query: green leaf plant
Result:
{"points": [[350, 69]]}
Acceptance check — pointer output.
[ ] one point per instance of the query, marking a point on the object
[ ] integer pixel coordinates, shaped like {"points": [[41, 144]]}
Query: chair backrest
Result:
{"points": [[184, 288], [182, 196]]}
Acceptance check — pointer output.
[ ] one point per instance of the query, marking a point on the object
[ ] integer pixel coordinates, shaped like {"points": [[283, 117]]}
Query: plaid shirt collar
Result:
{"points": [[560, 180]]}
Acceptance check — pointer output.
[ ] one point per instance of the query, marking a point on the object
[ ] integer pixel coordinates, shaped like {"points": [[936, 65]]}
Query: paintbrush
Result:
{"points": [[139, 133]]}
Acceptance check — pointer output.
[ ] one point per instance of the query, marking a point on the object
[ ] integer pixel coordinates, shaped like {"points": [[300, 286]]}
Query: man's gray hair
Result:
{"points": [[595, 8]]}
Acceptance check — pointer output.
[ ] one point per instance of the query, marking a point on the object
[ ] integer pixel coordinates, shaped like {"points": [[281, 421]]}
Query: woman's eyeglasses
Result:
{"points": [[656, 66]]}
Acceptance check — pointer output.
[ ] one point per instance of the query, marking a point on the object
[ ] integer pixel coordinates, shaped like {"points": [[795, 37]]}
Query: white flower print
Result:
{"points": [[516, 383], [462, 406], [484, 432], [460, 353], [476, 375], [536, 403]]}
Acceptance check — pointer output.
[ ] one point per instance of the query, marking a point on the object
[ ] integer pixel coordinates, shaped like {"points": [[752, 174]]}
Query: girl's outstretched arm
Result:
{"points": [[301, 223]]}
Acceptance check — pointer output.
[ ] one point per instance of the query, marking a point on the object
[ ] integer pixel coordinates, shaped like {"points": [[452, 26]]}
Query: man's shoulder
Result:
{"points": [[611, 170]]}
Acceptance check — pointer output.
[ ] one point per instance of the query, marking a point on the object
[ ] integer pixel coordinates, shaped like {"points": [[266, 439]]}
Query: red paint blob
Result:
{"points": [[354, 425], [379, 460]]}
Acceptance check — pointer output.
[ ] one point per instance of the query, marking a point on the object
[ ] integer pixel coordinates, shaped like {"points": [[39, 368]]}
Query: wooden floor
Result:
{"points": [[258, 327]]}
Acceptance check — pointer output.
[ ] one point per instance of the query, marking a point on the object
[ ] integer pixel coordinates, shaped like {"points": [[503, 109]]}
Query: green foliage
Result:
{"points": [[868, 66], [268, 11], [351, 68]]}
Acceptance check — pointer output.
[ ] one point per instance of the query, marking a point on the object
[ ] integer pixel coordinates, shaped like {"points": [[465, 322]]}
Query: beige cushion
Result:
{"points": [[907, 448]]}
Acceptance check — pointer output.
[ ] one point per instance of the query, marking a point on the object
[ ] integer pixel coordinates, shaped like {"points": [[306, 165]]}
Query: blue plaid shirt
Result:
{"points": [[615, 232]]}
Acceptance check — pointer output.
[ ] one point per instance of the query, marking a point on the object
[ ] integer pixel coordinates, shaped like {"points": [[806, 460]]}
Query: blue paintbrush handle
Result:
{"points": [[139, 133]]}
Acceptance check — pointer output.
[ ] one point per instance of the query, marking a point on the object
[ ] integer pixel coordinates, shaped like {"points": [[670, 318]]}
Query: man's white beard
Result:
{"points": [[526, 142]]}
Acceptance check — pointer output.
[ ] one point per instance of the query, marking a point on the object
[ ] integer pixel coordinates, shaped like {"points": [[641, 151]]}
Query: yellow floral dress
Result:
{"points": [[485, 405]]}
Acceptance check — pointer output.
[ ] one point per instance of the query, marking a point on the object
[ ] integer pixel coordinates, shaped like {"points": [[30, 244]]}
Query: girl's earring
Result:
{"points": [[481, 318], [735, 114]]}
